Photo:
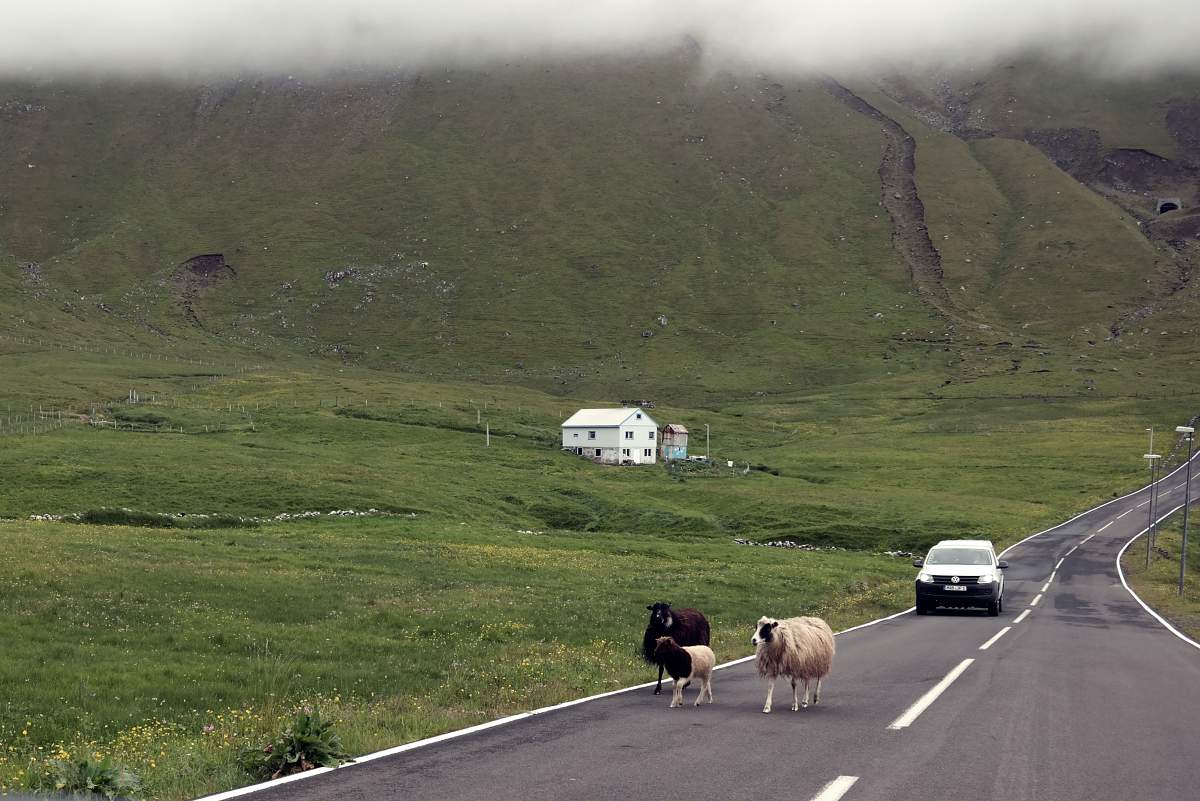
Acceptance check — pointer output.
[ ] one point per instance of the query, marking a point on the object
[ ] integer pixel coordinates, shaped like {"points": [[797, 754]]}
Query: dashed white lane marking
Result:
{"points": [[1068, 553], [923, 703], [835, 789], [1060, 561], [1045, 586], [1034, 602], [1021, 617], [997, 636], [1140, 505], [1177, 486], [1106, 525], [1127, 511]]}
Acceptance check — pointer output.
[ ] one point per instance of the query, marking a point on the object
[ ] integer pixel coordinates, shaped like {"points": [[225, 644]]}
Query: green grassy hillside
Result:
{"points": [[530, 224]]}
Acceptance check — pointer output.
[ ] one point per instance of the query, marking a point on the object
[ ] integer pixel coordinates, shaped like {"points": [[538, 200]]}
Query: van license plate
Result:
{"points": [[955, 587]]}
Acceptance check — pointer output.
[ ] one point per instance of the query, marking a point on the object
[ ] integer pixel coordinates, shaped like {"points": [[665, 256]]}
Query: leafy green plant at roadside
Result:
{"points": [[309, 742], [86, 776]]}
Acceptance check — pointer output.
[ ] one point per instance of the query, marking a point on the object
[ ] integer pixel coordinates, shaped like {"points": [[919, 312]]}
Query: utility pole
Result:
{"points": [[706, 441], [1152, 458], [1189, 433], [488, 434]]}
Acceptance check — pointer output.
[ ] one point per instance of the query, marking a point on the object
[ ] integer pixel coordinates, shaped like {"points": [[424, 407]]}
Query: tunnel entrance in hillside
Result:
{"points": [[1169, 204]]}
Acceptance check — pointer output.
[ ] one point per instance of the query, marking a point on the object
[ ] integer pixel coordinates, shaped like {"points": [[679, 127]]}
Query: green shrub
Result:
{"points": [[147, 418], [309, 742], [83, 777], [564, 514]]}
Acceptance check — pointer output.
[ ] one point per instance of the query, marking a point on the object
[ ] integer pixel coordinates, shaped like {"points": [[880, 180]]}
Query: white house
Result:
{"points": [[612, 436]]}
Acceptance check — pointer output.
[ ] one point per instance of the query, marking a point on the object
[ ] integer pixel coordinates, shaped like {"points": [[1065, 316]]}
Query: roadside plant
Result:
{"points": [[84, 777], [308, 742]]}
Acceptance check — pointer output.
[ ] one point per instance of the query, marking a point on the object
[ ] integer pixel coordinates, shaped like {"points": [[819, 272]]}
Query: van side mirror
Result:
{"points": [[919, 562], [1002, 565]]}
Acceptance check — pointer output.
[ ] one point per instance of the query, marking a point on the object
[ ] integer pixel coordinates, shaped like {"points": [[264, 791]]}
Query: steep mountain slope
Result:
{"points": [[604, 227]]}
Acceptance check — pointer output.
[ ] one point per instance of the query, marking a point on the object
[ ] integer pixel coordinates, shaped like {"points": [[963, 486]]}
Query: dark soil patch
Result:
{"points": [[196, 275]]}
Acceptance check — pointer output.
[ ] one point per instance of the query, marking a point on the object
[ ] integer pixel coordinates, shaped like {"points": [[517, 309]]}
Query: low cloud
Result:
{"points": [[202, 38]]}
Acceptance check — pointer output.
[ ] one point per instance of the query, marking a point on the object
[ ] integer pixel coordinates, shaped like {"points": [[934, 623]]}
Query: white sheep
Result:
{"points": [[797, 647]]}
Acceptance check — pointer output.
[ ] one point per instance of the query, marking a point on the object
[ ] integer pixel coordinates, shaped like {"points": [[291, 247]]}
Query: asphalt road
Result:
{"points": [[1084, 697]]}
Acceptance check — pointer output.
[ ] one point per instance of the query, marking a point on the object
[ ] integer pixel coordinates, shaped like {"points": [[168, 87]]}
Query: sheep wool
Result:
{"points": [[800, 648], [685, 663]]}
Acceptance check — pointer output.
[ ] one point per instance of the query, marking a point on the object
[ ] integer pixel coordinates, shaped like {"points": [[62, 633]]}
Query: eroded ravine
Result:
{"points": [[897, 174]]}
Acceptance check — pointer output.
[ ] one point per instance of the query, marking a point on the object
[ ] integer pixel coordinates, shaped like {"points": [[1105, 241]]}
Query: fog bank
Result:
{"points": [[203, 38]]}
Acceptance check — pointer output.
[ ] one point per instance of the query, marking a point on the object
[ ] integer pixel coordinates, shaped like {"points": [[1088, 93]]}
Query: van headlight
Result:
{"points": [[987, 578], [924, 578]]}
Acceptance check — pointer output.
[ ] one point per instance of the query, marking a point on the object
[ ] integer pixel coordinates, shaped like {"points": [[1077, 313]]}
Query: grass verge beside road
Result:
{"points": [[1159, 586]]}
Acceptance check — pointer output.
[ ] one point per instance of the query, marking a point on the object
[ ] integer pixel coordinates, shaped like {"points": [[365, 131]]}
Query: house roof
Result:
{"points": [[675, 428], [603, 418]]}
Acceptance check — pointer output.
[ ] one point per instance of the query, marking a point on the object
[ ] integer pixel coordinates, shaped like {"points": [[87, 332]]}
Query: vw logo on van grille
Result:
{"points": [[954, 579]]}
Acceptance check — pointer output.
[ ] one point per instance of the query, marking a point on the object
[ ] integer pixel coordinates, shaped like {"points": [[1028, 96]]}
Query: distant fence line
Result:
{"points": [[463, 415], [128, 354], [164, 428], [37, 421]]}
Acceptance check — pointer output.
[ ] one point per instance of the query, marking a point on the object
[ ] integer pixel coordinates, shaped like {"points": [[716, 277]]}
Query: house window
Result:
{"points": [[597, 451], [639, 415], [575, 435], [628, 435], [648, 452], [651, 434], [625, 451], [591, 435]]}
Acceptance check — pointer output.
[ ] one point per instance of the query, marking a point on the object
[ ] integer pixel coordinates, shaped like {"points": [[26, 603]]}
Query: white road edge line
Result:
{"points": [[995, 637], [1072, 520], [1106, 525], [450, 735], [835, 789], [1053, 573], [1058, 564], [1045, 586], [1136, 597], [1034, 602], [923, 703]]}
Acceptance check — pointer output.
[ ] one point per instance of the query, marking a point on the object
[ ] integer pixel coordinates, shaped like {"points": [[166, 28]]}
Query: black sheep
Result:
{"points": [[685, 626]]}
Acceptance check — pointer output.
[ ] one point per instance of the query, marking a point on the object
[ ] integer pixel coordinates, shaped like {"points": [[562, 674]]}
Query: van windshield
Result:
{"points": [[958, 556]]}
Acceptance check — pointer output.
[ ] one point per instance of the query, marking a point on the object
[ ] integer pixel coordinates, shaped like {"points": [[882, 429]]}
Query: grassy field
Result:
{"points": [[400, 627], [1159, 585], [448, 611]]}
